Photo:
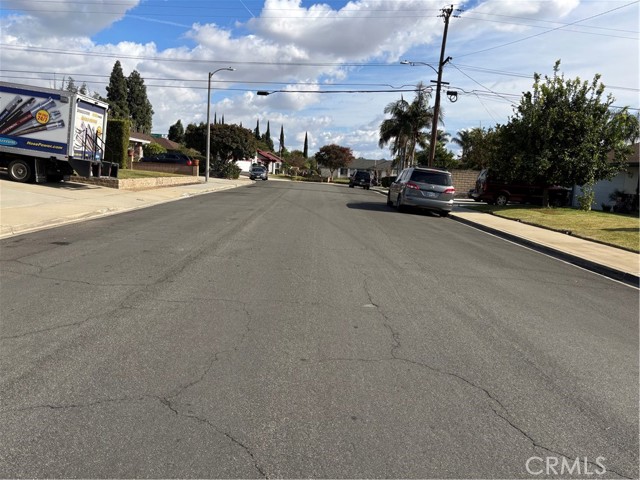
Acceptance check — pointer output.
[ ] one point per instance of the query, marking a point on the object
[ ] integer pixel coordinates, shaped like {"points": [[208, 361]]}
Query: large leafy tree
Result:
{"points": [[232, 142], [195, 136], [566, 132], [117, 93], [140, 109], [176, 132], [333, 157]]}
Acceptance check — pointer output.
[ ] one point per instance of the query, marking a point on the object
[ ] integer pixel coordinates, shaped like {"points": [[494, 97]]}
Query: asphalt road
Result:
{"points": [[304, 330]]}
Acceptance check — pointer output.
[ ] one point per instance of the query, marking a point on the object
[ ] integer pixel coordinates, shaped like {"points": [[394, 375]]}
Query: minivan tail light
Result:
{"points": [[413, 186], [450, 190]]}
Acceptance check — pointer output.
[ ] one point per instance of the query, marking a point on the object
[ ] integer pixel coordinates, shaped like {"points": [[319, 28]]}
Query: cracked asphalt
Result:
{"points": [[289, 330]]}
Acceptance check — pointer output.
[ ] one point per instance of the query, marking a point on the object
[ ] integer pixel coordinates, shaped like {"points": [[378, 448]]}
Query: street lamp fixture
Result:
{"points": [[413, 64], [211, 74]]}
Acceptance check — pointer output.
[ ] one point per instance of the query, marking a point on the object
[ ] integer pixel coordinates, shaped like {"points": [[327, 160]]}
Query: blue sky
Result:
{"points": [[303, 47]]}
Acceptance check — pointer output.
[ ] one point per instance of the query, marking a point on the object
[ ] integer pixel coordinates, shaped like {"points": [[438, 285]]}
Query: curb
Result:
{"points": [[603, 270]]}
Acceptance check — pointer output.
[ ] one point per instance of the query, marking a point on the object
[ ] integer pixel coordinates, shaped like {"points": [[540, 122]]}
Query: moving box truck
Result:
{"points": [[46, 134]]}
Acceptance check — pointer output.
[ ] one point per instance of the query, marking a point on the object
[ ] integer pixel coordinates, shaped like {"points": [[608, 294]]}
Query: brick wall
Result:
{"points": [[136, 183], [464, 180]]}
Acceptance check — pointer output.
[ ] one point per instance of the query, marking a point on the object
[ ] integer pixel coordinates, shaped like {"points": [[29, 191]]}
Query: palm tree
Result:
{"points": [[395, 129], [464, 140], [407, 125]]}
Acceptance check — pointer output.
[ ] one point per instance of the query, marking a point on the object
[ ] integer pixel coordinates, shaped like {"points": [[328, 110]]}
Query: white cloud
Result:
{"points": [[64, 18], [291, 48]]}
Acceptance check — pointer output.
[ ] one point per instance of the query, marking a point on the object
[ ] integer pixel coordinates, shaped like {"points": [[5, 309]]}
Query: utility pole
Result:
{"points": [[446, 14]]}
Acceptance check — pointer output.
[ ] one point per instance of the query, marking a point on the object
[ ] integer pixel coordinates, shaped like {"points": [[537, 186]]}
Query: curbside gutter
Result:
{"points": [[605, 270]]}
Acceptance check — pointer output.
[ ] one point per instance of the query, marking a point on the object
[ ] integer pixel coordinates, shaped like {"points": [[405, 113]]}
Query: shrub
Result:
{"points": [[152, 149], [585, 199], [223, 169], [117, 142]]}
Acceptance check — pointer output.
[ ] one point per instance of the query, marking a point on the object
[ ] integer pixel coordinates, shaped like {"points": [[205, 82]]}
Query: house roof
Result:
{"points": [[633, 158], [146, 139], [141, 137], [365, 164], [264, 155]]}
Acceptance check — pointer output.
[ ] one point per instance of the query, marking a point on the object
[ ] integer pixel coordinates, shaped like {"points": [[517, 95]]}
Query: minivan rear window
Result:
{"points": [[434, 178]]}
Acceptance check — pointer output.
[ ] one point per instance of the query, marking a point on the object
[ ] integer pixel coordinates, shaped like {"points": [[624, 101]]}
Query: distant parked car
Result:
{"points": [[427, 188], [360, 179], [491, 189], [258, 172], [169, 157]]}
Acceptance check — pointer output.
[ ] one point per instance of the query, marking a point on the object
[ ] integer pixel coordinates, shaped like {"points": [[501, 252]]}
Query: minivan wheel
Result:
{"points": [[389, 202], [502, 199], [399, 204]]}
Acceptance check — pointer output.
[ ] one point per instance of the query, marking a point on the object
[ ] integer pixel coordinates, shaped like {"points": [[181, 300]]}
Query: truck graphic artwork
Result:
{"points": [[48, 134]]}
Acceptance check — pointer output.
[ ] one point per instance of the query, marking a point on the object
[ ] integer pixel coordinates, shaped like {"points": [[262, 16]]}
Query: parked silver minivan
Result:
{"points": [[427, 188]]}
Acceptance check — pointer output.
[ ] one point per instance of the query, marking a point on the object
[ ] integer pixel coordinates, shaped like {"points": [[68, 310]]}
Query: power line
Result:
{"points": [[5, 46], [547, 31]]}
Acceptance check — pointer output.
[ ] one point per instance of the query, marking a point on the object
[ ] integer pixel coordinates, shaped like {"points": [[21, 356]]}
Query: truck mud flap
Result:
{"points": [[82, 167]]}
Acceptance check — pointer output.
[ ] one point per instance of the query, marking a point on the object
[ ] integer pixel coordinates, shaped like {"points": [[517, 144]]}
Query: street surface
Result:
{"points": [[302, 331]]}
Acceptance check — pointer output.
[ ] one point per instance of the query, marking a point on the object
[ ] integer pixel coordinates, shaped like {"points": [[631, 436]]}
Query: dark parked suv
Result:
{"points": [[169, 157], [360, 179], [427, 188], [491, 189]]}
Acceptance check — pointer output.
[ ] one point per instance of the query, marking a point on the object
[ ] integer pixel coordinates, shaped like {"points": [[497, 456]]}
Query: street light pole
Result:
{"points": [[211, 74]]}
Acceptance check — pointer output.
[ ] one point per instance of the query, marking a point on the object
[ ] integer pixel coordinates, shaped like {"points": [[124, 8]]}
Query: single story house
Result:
{"points": [[627, 181], [378, 168]]}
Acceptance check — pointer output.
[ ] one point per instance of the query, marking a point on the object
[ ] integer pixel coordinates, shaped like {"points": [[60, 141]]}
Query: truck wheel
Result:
{"points": [[20, 171], [502, 199]]}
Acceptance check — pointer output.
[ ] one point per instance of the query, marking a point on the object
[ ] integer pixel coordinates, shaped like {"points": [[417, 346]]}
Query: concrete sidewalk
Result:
{"points": [[26, 207]]}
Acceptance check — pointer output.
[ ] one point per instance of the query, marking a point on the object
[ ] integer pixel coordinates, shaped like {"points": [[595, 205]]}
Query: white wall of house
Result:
{"points": [[624, 181], [245, 165]]}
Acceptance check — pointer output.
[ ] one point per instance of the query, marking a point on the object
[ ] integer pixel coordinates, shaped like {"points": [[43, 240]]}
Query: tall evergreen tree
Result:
{"points": [[305, 152], [176, 132], [83, 89], [140, 109], [256, 132], [215, 118], [266, 138], [281, 139], [117, 93]]}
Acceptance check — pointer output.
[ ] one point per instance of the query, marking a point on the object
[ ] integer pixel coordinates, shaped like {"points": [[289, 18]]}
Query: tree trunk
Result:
{"points": [[545, 197]]}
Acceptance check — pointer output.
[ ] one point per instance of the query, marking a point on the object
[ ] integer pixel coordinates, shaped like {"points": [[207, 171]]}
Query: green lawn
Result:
{"points": [[611, 228], [126, 173]]}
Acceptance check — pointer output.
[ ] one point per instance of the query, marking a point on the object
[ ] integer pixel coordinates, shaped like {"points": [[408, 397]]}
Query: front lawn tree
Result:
{"points": [[139, 106], [333, 157], [563, 133], [117, 93], [232, 142], [176, 132]]}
